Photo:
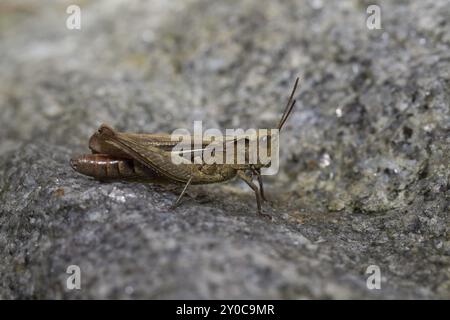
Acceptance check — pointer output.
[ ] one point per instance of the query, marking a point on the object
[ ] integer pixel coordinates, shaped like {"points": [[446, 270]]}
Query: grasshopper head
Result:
{"points": [[269, 138]]}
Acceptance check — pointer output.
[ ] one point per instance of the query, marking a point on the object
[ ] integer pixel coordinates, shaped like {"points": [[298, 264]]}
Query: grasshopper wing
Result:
{"points": [[148, 155]]}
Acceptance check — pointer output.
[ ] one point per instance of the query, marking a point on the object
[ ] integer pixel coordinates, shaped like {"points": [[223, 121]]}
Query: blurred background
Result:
{"points": [[364, 174]]}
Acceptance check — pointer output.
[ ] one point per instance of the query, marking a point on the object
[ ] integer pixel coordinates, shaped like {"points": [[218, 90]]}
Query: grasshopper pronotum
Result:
{"points": [[147, 158]]}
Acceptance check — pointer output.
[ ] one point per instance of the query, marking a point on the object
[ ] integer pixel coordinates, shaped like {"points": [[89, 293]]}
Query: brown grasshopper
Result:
{"points": [[147, 158]]}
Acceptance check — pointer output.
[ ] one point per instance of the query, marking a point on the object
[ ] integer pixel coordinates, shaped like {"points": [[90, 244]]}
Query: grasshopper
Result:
{"points": [[147, 158]]}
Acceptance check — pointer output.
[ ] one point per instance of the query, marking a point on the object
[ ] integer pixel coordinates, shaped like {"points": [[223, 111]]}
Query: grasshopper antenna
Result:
{"points": [[289, 106]]}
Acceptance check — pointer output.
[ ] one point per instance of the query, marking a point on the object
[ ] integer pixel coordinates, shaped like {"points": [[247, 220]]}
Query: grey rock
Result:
{"points": [[365, 177]]}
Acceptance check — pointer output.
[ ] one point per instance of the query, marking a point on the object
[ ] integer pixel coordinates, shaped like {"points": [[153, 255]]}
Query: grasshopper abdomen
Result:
{"points": [[106, 167]]}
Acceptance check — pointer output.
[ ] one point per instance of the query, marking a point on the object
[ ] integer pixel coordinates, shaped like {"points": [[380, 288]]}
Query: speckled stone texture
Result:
{"points": [[364, 177]]}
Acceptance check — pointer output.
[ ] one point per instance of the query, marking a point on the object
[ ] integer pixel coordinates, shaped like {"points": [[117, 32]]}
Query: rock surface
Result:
{"points": [[365, 176]]}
